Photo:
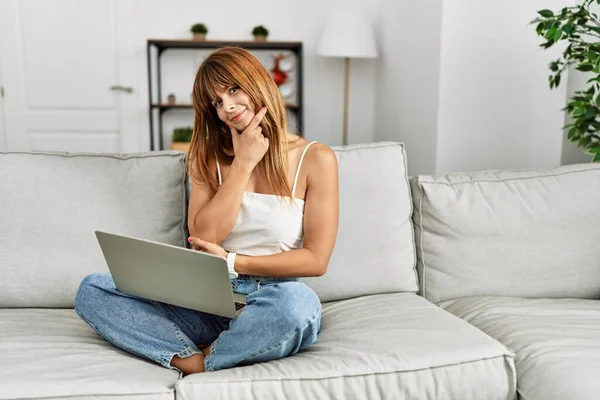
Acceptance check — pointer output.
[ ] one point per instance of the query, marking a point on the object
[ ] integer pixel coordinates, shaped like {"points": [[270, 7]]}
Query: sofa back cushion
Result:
{"points": [[528, 233], [51, 204], [374, 250]]}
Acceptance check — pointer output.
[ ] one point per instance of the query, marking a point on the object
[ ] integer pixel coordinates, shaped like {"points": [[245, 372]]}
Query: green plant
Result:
{"points": [[182, 134], [199, 28], [260, 31], [581, 29]]}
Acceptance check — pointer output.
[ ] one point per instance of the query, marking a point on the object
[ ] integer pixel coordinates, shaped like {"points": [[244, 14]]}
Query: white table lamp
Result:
{"points": [[347, 34]]}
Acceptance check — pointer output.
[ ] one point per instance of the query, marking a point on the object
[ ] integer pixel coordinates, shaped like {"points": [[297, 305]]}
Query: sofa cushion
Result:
{"points": [[374, 250], [528, 233], [53, 354], [53, 202], [557, 341], [389, 346]]}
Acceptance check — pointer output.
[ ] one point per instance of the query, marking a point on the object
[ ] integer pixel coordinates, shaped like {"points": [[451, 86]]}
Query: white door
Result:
{"points": [[59, 60]]}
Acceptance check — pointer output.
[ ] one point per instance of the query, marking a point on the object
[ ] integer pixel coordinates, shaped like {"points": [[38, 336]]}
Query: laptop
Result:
{"points": [[170, 274]]}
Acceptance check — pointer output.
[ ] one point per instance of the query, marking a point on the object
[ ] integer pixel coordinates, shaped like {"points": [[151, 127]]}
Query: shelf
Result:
{"points": [[165, 106], [163, 44]]}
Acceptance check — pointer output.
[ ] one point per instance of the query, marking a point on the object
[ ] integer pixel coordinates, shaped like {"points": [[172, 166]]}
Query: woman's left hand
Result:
{"points": [[207, 247]]}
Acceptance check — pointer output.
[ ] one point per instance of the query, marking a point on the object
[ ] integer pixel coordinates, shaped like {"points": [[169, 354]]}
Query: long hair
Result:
{"points": [[226, 67]]}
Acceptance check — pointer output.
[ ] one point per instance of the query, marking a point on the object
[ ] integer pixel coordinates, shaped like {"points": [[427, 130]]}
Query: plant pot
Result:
{"points": [[200, 36], [171, 99], [260, 38], [181, 146]]}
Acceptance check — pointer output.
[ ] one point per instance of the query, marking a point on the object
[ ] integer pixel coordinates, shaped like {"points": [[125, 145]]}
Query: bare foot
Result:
{"points": [[193, 364], [189, 365]]}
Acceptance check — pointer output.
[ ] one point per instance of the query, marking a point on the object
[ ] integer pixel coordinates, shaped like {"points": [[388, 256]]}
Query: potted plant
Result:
{"points": [[199, 31], [180, 140], [260, 33], [580, 28], [171, 99]]}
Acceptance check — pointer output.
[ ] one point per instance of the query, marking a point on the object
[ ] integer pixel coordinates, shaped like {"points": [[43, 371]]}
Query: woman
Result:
{"points": [[262, 198]]}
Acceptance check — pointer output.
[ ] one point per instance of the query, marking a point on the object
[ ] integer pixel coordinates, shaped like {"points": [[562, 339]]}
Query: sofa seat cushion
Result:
{"points": [[51, 353], [388, 346], [556, 341]]}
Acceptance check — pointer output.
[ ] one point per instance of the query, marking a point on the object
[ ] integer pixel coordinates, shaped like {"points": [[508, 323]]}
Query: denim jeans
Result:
{"points": [[281, 317]]}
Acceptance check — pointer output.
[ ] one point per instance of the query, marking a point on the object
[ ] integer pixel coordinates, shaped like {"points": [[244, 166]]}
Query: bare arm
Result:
{"points": [[321, 214], [213, 219]]}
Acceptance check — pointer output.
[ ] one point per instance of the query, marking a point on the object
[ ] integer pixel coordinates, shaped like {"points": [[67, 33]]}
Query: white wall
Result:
{"points": [[495, 106], [407, 78], [293, 21]]}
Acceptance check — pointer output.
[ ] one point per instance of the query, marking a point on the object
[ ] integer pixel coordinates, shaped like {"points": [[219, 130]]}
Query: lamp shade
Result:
{"points": [[348, 33]]}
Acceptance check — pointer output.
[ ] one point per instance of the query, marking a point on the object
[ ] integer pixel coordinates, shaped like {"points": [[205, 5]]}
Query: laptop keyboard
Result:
{"points": [[239, 306]]}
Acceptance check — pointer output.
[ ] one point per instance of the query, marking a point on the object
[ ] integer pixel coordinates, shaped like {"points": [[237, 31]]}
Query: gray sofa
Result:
{"points": [[467, 286]]}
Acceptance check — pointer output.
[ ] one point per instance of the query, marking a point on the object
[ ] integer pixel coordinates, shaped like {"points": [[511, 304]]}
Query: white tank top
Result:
{"points": [[267, 224]]}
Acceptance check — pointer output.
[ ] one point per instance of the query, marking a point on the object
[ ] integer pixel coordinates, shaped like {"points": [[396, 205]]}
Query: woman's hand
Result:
{"points": [[250, 146], [207, 247]]}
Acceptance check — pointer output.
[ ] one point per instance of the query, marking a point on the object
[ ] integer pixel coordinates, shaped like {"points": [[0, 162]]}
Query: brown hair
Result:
{"points": [[226, 67]]}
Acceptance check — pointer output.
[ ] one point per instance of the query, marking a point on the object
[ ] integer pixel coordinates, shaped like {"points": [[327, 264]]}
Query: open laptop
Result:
{"points": [[170, 274]]}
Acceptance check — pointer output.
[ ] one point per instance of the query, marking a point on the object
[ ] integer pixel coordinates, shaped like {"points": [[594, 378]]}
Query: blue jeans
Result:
{"points": [[281, 317]]}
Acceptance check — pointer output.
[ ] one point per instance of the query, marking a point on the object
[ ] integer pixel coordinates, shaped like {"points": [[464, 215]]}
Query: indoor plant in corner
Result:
{"points": [[180, 140], [580, 28]]}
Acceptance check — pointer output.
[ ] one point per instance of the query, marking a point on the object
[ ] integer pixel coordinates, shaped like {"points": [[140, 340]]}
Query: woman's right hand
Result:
{"points": [[250, 146]]}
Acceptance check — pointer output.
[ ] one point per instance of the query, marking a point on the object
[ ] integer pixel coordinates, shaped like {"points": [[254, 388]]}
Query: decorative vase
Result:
{"points": [[199, 36]]}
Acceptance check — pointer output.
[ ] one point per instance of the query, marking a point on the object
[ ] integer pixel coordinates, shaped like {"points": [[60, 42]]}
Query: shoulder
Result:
{"points": [[320, 155], [319, 160]]}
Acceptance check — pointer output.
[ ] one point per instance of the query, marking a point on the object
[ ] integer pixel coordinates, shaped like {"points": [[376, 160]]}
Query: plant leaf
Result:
{"points": [[558, 35], [571, 134], [590, 113], [539, 28], [585, 66], [546, 13]]}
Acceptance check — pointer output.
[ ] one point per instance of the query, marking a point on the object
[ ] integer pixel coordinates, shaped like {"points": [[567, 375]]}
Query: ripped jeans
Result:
{"points": [[281, 317]]}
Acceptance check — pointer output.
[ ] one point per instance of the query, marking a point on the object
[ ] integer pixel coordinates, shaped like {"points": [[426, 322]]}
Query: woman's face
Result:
{"points": [[234, 107]]}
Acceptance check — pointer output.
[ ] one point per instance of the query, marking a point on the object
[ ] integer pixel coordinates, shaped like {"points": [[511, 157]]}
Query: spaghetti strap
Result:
{"points": [[219, 173], [298, 170]]}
